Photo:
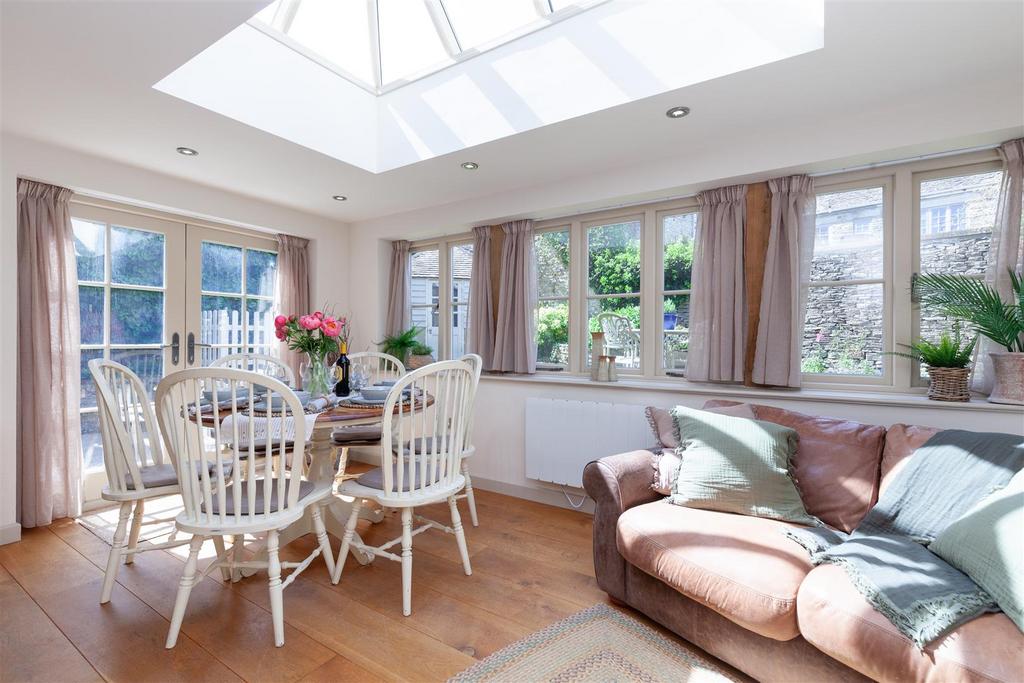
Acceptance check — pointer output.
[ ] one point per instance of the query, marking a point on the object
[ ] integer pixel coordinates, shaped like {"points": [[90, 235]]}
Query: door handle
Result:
{"points": [[175, 347], [192, 344]]}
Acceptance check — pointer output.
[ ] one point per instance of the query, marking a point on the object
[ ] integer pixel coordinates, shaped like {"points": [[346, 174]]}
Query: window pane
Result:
{"points": [[209, 354], [460, 327], [148, 364], [260, 272], [676, 331], [848, 235], [136, 257], [221, 268], [221, 321], [88, 385], [678, 233], [476, 22], [957, 215], [260, 320], [424, 295], [619, 319], [460, 260], [136, 316], [551, 251], [843, 331], [553, 332], [90, 314], [337, 31], [408, 41], [90, 249], [613, 259], [92, 442]]}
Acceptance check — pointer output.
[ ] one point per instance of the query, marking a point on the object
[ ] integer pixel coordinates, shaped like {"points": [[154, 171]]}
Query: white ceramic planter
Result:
{"points": [[1008, 380]]}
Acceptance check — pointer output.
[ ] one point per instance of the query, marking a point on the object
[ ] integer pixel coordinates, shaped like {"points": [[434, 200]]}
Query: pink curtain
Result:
{"points": [[717, 297], [783, 294], [515, 347], [49, 441], [292, 287], [481, 313], [399, 315]]}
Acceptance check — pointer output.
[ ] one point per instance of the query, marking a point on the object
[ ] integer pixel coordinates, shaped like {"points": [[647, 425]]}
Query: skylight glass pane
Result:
{"points": [[409, 43], [476, 23], [339, 32], [562, 4]]}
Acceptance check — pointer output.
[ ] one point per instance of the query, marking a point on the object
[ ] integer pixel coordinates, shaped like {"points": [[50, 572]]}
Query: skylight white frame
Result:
{"points": [[286, 11]]}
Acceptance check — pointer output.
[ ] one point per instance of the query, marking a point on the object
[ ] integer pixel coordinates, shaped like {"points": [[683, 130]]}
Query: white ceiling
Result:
{"points": [[80, 75]]}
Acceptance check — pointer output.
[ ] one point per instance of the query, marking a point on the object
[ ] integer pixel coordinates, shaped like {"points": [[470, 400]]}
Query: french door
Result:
{"points": [[160, 295]]}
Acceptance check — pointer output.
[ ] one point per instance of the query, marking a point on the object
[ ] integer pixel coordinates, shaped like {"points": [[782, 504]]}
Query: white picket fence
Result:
{"points": [[225, 328]]}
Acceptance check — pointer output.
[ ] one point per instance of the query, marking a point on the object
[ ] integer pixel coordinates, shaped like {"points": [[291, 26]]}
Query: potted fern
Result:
{"points": [[947, 362], [399, 345], [420, 355], [981, 306]]}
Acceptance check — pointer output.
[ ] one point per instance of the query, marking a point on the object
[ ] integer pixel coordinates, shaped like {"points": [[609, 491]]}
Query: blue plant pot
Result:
{"points": [[670, 320]]}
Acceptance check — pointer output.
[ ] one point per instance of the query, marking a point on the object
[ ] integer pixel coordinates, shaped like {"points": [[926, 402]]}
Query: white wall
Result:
{"points": [[109, 179]]}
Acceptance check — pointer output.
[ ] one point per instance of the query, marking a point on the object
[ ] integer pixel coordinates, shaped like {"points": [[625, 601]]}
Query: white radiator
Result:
{"points": [[563, 436]]}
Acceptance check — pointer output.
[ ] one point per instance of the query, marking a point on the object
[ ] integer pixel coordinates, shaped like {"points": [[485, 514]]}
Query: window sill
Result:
{"points": [[680, 386]]}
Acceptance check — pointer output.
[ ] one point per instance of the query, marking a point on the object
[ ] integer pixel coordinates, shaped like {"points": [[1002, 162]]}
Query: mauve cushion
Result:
{"points": [[836, 463], [900, 443]]}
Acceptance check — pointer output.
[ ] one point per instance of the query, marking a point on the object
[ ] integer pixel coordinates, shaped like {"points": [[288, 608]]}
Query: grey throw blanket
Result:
{"points": [[885, 557]]}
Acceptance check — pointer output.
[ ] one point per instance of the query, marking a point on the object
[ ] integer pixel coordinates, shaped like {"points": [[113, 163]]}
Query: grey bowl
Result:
{"points": [[375, 393], [386, 383]]}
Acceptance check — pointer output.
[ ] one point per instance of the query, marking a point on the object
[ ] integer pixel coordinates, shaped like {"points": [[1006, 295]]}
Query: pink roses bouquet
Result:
{"points": [[315, 334]]}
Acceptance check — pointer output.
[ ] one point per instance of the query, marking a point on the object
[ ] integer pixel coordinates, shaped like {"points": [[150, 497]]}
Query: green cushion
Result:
{"points": [[738, 465], [987, 544]]}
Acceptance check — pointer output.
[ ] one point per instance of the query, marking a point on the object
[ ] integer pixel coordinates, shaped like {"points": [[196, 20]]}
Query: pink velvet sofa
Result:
{"points": [[736, 587]]}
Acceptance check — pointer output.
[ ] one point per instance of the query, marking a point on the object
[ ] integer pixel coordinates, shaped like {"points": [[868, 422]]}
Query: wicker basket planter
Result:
{"points": [[417, 362], [949, 384]]}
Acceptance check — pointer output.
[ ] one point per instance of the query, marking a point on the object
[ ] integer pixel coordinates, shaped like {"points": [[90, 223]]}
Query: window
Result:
{"points": [[678, 232], [237, 300], [440, 296], [613, 289], [424, 297], [121, 292], [551, 255], [844, 328], [460, 259]]}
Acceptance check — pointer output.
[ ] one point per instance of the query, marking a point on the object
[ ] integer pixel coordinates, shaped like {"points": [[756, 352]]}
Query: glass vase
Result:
{"points": [[317, 376]]}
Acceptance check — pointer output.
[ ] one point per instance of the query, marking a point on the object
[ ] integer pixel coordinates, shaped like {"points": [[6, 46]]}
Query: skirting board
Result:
{"points": [[10, 533]]}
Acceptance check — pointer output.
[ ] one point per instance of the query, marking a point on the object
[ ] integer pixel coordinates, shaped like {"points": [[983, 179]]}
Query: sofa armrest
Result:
{"points": [[616, 483]]}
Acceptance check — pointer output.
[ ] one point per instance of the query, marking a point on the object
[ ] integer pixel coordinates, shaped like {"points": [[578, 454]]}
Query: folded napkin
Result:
{"points": [[276, 426]]}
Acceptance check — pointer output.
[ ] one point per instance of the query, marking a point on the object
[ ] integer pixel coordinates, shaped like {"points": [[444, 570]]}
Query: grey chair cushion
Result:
{"points": [[374, 479], [359, 434], [305, 488], [425, 446], [155, 476]]}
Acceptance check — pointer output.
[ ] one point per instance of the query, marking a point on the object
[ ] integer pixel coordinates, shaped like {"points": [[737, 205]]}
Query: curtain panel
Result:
{"points": [[481, 313], [399, 315], [1006, 251], [717, 308], [515, 348], [49, 441], [292, 295], [784, 289]]}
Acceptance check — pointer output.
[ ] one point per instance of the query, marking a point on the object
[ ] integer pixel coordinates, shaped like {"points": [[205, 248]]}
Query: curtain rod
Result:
{"points": [[820, 174]]}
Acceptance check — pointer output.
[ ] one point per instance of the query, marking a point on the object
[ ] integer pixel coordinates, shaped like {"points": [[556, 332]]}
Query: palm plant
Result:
{"points": [[950, 352], [977, 303], [399, 345]]}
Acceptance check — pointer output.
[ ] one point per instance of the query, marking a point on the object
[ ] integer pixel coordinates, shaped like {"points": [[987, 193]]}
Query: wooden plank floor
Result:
{"points": [[531, 567]]}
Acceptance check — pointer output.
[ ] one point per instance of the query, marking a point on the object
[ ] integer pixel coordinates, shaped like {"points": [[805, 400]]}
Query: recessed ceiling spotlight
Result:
{"points": [[339, 198], [470, 165], [677, 112], [188, 151]]}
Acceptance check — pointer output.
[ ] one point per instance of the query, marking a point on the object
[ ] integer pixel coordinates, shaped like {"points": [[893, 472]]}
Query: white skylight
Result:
{"points": [[383, 44]]}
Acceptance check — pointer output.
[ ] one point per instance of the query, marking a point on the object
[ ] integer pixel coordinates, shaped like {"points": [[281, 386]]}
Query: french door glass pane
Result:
{"points": [[619, 319], [221, 268], [260, 320], [221, 320], [551, 253], [260, 272], [88, 385], [957, 215], [136, 257], [148, 364], [553, 332], [848, 235], [675, 331], [90, 249], [843, 331], [92, 441], [613, 258], [678, 233], [90, 314], [136, 316]]}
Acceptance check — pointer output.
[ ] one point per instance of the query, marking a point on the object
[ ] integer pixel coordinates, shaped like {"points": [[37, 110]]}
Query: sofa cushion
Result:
{"points": [[835, 618], [900, 443], [744, 568], [835, 466]]}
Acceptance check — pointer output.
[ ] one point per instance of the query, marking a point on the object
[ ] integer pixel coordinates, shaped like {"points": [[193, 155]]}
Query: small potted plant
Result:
{"points": [[947, 362], [399, 345], [971, 300], [671, 316], [419, 355]]}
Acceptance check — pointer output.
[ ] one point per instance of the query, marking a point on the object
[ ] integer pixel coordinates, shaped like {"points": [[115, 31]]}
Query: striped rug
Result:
{"points": [[598, 644]]}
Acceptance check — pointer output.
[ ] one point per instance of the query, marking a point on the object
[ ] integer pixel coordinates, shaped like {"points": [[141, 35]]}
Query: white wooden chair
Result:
{"points": [[620, 338], [376, 367], [420, 475], [262, 363], [133, 457], [477, 363], [263, 502]]}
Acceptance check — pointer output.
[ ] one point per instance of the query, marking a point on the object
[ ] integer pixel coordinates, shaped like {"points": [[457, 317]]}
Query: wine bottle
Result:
{"points": [[341, 371]]}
